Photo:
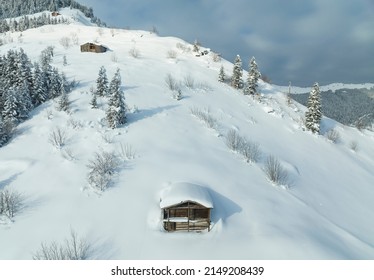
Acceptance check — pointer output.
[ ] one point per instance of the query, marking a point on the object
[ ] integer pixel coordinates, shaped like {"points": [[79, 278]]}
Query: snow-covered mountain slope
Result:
{"points": [[327, 212]]}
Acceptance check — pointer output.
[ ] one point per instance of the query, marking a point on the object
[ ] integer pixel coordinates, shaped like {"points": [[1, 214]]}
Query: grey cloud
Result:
{"points": [[303, 41]]}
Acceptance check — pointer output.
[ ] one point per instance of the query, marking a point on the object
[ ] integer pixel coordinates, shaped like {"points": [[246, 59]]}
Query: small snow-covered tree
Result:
{"points": [[221, 75], [116, 112], [196, 46], [12, 107], [253, 76], [63, 102], [236, 79], [93, 101], [102, 83], [313, 115], [38, 93]]}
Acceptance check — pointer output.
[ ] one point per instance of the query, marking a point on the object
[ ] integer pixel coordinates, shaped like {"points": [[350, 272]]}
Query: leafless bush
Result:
{"points": [[333, 135], [58, 138], [205, 116], [275, 172], [74, 248], [49, 114], [134, 52], [354, 146], [10, 202], [65, 42], [126, 152], [183, 47], [68, 154], [114, 57], [102, 169], [171, 54], [100, 31], [172, 84], [74, 38], [108, 138], [216, 57], [234, 141], [75, 124], [177, 95], [189, 81], [249, 149]]}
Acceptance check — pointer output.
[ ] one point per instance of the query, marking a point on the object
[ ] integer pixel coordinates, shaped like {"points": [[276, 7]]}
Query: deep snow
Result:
{"points": [[327, 212]]}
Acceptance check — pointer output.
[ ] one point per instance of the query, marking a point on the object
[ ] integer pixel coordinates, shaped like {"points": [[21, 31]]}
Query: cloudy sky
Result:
{"points": [[304, 41]]}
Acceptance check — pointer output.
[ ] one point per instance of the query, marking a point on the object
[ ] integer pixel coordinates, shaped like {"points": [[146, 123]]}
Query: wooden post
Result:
{"points": [[188, 216]]}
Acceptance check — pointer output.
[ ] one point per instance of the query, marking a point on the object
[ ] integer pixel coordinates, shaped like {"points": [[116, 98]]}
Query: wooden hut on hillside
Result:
{"points": [[55, 14], [186, 207], [91, 47]]}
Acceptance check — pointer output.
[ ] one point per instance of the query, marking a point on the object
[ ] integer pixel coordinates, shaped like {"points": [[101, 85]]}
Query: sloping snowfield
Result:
{"points": [[326, 211]]}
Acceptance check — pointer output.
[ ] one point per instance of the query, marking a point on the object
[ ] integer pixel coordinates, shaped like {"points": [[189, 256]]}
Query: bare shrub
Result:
{"points": [[114, 57], [172, 84], [183, 47], [126, 152], [101, 170], [205, 116], [177, 95], [354, 146], [10, 202], [108, 138], [58, 138], [75, 124], [189, 81], [333, 135], [73, 248], [74, 38], [134, 52], [171, 54], [251, 151], [65, 42], [275, 172], [216, 57], [234, 141]]}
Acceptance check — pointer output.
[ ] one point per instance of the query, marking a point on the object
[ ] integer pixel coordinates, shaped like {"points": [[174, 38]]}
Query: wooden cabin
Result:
{"points": [[186, 207], [91, 47], [55, 14]]}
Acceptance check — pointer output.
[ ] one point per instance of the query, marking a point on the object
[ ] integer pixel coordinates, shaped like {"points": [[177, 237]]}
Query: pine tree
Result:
{"points": [[221, 75], [313, 115], [63, 102], [93, 101], [102, 83], [38, 94], [236, 79], [11, 108], [253, 76], [116, 112], [3, 134]]}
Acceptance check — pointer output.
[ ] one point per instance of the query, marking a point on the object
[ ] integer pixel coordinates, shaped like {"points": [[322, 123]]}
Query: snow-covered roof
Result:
{"points": [[182, 192]]}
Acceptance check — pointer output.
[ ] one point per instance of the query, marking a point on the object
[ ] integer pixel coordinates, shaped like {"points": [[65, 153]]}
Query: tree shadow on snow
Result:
{"points": [[148, 113]]}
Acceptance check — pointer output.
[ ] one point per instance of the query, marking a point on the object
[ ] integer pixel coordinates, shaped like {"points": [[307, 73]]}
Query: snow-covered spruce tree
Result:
{"points": [[12, 107], [38, 93], [253, 76], [102, 83], [236, 79], [3, 133], [313, 115], [196, 46], [63, 102], [221, 75], [93, 101], [116, 112]]}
